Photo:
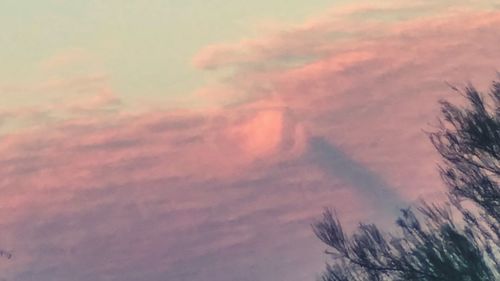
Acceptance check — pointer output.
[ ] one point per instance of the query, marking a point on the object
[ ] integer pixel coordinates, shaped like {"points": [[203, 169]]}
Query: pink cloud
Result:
{"points": [[89, 96], [78, 84], [89, 183], [322, 35], [105, 99], [374, 97], [229, 193]]}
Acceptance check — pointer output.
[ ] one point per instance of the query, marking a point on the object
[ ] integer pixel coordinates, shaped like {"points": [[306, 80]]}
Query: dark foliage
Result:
{"points": [[431, 244]]}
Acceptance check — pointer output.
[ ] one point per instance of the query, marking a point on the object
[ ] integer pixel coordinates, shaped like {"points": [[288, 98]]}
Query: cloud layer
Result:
{"points": [[320, 114]]}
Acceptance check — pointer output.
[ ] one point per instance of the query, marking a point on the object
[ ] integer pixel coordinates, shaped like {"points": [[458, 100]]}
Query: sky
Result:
{"points": [[199, 140]]}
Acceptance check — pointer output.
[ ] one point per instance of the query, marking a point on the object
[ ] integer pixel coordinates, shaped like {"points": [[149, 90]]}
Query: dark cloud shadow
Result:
{"points": [[371, 186]]}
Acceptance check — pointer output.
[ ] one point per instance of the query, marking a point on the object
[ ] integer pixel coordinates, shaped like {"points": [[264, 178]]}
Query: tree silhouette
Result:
{"points": [[430, 244]]}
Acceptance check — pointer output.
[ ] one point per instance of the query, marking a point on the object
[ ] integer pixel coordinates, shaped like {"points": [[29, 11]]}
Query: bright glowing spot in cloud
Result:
{"points": [[262, 134], [267, 133]]}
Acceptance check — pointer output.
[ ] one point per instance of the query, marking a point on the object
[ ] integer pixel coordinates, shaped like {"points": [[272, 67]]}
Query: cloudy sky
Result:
{"points": [[199, 139]]}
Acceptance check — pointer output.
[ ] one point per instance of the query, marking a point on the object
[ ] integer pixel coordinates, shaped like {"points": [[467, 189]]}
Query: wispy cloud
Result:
{"points": [[229, 193]]}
